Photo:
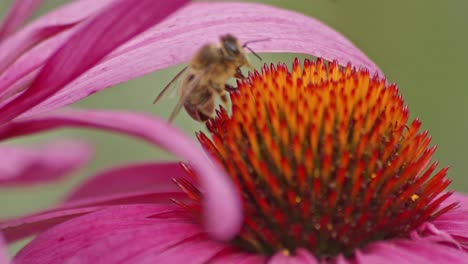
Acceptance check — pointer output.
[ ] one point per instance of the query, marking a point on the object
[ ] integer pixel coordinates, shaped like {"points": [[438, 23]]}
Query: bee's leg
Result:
{"points": [[216, 87], [221, 92], [239, 74], [205, 111], [224, 98], [229, 88]]}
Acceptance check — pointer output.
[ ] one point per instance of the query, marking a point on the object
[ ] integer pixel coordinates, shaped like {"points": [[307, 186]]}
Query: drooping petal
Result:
{"points": [[25, 226], [407, 251], [19, 12], [151, 177], [221, 197], [113, 26], [175, 40], [4, 259], [21, 165], [157, 230]]}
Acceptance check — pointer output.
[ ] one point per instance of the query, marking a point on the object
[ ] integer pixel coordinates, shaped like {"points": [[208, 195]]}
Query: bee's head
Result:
{"points": [[231, 45]]}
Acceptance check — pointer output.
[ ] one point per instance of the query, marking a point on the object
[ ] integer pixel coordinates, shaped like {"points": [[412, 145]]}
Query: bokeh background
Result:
{"points": [[419, 44]]}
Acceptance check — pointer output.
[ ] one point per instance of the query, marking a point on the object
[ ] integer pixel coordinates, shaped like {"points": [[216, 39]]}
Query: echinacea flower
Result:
{"points": [[324, 160], [356, 186]]}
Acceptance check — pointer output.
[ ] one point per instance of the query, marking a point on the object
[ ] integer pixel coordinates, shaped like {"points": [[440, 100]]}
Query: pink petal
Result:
{"points": [[221, 198], [32, 224], [70, 13], [454, 222], [407, 251], [23, 71], [233, 256], [198, 249], [145, 183], [19, 12], [22, 44], [342, 260], [306, 256], [23, 227], [429, 232], [131, 234], [175, 40], [302, 258], [21, 165], [115, 25], [460, 198], [4, 259], [154, 177]]}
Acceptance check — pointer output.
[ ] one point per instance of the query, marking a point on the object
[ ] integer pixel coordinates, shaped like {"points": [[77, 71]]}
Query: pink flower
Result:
{"points": [[136, 214]]}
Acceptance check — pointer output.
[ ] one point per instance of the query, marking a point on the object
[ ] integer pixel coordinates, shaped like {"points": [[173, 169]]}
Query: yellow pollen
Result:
{"points": [[414, 197], [286, 252]]}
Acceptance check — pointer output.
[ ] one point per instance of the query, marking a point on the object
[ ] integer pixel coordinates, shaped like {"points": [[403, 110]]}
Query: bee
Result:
{"points": [[206, 77]]}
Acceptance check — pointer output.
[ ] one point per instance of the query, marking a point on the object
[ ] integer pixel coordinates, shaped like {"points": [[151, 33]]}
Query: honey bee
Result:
{"points": [[206, 77]]}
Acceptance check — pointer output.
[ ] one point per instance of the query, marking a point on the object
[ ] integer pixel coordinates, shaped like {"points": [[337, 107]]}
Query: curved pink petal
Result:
{"points": [[19, 12], [175, 40], [28, 65], [407, 251], [22, 227], [154, 177], [109, 236], [21, 165], [221, 197], [24, 43], [113, 26], [4, 259], [69, 13]]}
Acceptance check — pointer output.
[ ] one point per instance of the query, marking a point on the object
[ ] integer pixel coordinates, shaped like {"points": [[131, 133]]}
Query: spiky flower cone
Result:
{"points": [[325, 159]]}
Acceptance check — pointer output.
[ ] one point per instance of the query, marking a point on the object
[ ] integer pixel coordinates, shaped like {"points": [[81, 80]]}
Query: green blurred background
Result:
{"points": [[419, 44]]}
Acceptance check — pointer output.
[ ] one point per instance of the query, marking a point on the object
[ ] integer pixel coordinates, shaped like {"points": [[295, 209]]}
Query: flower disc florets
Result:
{"points": [[325, 159]]}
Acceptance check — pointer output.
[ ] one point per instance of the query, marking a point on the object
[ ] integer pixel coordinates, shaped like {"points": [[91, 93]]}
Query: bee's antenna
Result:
{"points": [[253, 52], [253, 41]]}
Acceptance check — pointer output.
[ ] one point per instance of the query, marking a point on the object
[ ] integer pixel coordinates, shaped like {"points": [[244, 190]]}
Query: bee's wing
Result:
{"points": [[165, 89], [187, 91]]}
